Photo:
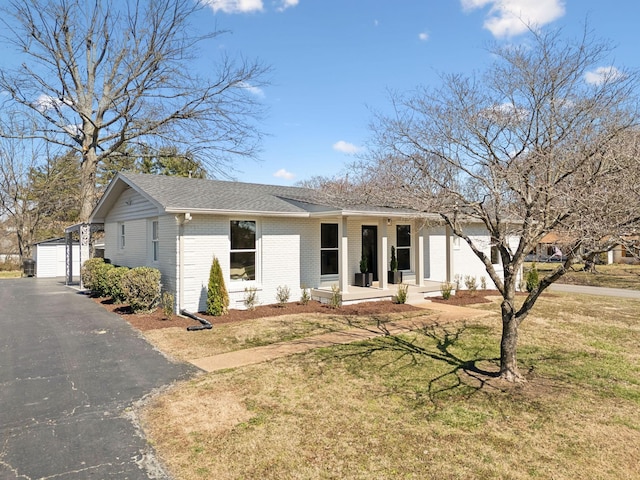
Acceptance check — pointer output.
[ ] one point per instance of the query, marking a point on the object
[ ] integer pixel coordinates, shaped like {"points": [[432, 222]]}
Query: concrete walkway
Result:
{"points": [[250, 356], [587, 290]]}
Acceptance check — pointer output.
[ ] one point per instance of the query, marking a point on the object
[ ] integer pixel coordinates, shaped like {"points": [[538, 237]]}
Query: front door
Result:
{"points": [[370, 248]]}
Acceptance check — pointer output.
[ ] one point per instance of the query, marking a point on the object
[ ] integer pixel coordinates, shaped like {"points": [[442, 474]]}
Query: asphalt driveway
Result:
{"points": [[69, 373]]}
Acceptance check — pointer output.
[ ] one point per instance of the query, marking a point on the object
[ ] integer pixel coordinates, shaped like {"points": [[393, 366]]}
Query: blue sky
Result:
{"points": [[333, 61]]}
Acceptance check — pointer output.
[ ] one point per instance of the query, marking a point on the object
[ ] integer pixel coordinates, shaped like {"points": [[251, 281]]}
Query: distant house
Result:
{"points": [[267, 236]]}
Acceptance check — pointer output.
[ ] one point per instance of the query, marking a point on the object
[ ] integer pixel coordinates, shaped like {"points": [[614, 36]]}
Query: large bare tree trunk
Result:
{"points": [[509, 344], [88, 184]]}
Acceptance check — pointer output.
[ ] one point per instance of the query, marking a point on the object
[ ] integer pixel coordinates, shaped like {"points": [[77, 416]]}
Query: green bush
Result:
{"points": [[100, 280], [166, 301], [403, 292], [141, 287], [87, 272], [305, 296], [445, 289], [217, 296], [250, 298], [114, 283], [533, 279], [282, 294]]}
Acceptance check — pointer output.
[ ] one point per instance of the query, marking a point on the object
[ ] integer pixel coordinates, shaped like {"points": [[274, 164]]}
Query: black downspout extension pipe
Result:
{"points": [[204, 324]]}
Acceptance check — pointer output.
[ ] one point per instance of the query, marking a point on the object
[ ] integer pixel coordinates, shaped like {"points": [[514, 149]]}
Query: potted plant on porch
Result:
{"points": [[364, 278], [393, 275]]}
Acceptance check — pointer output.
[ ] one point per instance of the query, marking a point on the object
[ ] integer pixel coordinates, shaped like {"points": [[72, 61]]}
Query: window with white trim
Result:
{"points": [[121, 235], [328, 249], [243, 250], [403, 246], [155, 241]]}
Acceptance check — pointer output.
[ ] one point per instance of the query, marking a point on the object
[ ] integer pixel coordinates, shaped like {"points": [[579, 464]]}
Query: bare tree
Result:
{"points": [[539, 143], [98, 75]]}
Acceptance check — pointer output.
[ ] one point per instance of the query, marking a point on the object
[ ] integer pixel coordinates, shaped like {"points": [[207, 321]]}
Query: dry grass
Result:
{"points": [[423, 405], [612, 276], [184, 345]]}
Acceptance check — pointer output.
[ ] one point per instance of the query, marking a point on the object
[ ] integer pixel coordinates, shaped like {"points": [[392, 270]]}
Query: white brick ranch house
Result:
{"points": [[267, 236]]}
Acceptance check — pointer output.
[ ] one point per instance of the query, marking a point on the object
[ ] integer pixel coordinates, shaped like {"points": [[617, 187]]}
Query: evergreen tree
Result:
{"points": [[217, 296]]}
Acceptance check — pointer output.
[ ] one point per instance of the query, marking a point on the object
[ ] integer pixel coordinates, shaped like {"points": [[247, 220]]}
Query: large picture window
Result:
{"points": [[403, 246], [329, 249], [243, 250]]}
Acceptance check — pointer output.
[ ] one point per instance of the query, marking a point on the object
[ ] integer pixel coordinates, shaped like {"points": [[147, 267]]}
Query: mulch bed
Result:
{"points": [[157, 319]]}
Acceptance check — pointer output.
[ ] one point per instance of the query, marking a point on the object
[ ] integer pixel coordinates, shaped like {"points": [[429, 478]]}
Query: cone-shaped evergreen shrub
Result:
{"points": [[217, 296]]}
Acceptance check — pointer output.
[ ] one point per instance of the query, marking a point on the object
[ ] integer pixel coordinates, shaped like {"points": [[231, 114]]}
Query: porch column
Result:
{"points": [[69, 254], [343, 259], [419, 256], [448, 250], [85, 235], [383, 243]]}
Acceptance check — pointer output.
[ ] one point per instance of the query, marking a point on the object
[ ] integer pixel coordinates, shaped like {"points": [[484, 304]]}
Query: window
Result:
{"points": [[155, 242], [121, 235], [243, 250], [329, 249], [403, 246]]}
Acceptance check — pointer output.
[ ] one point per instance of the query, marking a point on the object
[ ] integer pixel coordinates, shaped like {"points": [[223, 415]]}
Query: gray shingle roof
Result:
{"points": [[185, 194], [182, 195]]}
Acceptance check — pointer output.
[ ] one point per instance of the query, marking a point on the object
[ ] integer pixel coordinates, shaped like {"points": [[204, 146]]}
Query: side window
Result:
{"points": [[121, 235], [243, 250], [155, 241], [329, 249], [403, 246]]}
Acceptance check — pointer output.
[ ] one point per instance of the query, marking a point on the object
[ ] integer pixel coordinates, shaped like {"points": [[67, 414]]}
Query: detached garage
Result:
{"points": [[51, 258]]}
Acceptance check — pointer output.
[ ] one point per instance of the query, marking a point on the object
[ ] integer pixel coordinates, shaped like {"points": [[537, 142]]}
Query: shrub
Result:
{"points": [[457, 280], [471, 283], [87, 272], [305, 296], [141, 287], [250, 298], [166, 302], [445, 289], [282, 294], [533, 280], [483, 282], [336, 298], [99, 279], [217, 296], [393, 265], [114, 283], [403, 292]]}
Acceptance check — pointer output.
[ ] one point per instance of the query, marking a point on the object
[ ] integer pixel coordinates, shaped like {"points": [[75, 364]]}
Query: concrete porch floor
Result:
{"points": [[416, 293]]}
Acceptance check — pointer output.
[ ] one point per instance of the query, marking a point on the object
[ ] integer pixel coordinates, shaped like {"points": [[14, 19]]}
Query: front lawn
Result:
{"points": [[424, 405]]}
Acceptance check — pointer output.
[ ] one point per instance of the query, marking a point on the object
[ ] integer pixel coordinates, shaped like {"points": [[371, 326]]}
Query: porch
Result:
{"points": [[415, 294]]}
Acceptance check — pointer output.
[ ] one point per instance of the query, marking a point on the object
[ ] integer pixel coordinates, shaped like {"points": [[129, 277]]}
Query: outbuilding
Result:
{"points": [[51, 258]]}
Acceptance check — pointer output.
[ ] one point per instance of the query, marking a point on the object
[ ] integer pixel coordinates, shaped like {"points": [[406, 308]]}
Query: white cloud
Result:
{"points": [[287, 4], [424, 36], [257, 91], [234, 6], [345, 147], [602, 74], [282, 173], [507, 18]]}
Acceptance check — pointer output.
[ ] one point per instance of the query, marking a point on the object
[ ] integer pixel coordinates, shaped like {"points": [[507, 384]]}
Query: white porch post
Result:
{"points": [[382, 248], [449, 256], [85, 236], [343, 258], [419, 256]]}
